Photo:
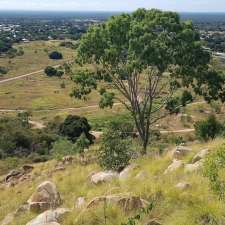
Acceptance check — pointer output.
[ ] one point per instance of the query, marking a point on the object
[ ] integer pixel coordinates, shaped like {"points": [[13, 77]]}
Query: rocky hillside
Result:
{"points": [[76, 191]]}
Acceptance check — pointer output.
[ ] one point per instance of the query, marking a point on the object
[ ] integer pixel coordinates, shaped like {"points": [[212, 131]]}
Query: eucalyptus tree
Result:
{"points": [[146, 56]]}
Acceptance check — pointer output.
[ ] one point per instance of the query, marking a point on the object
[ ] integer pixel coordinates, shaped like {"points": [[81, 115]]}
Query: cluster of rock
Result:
{"points": [[182, 151], [16, 176]]}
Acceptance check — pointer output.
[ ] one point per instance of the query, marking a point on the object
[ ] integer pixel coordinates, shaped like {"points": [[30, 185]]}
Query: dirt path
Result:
{"points": [[29, 74], [36, 125]]}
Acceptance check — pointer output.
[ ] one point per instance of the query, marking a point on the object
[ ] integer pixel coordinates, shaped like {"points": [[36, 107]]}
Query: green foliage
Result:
{"points": [[63, 147], [17, 139], [55, 55], [74, 126], [114, 153], [143, 212], [51, 71], [208, 129], [216, 106], [82, 143], [85, 83], [107, 100], [214, 167], [3, 70], [173, 106], [186, 98]]}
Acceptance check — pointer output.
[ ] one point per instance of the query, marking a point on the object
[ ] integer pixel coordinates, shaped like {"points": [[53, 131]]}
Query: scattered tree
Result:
{"points": [[55, 55], [146, 56]]}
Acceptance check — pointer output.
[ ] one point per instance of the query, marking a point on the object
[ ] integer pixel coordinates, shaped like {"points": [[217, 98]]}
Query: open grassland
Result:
{"points": [[173, 206], [35, 58]]}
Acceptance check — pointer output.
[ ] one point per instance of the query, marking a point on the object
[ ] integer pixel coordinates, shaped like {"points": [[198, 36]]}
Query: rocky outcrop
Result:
{"points": [[193, 167], [126, 202], [175, 165], [153, 222], [181, 151], [127, 171], [104, 176], [14, 174], [50, 217], [200, 156], [45, 197]]}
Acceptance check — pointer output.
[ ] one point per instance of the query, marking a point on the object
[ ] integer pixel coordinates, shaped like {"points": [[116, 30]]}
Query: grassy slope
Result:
{"points": [[173, 207], [35, 58]]}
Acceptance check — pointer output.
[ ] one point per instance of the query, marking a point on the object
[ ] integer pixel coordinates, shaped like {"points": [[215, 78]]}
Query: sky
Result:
{"points": [[114, 5]]}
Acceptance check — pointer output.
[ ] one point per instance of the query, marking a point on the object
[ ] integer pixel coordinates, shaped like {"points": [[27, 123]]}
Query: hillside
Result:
{"points": [[192, 202]]}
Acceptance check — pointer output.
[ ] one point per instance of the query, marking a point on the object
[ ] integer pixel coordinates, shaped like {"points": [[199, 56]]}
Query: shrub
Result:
{"points": [[173, 106], [186, 98], [82, 143], [51, 71], [214, 169], [63, 147], [208, 129], [55, 55], [74, 126], [3, 70], [114, 153], [216, 106]]}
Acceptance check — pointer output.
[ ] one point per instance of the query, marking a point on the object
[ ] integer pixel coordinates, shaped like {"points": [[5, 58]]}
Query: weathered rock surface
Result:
{"points": [[193, 167], [67, 160], [45, 197], [181, 151], [50, 217], [175, 165], [127, 171], [127, 202], [14, 174], [104, 176], [183, 185], [153, 222], [201, 155]]}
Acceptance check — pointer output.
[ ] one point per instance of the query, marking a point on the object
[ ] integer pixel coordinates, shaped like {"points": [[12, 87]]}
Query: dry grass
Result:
{"points": [[173, 207]]}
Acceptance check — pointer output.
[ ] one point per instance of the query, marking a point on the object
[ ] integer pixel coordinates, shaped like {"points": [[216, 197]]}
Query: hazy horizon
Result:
{"points": [[200, 6]]}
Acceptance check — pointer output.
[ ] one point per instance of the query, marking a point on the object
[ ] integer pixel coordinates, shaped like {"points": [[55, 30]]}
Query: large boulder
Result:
{"points": [[50, 217], [201, 155], [127, 171], [175, 165], [126, 202], [14, 174], [45, 197], [104, 176], [193, 167], [181, 151]]}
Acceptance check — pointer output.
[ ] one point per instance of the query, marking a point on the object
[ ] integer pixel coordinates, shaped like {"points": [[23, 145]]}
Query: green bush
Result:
{"points": [[55, 55], [63, 147], [214, 167], [186, 98], [74, 126], [208, 129], [114, 153], [82, 143]]}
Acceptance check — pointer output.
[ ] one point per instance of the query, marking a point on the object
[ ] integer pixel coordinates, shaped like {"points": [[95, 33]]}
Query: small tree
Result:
{"points": [[55, 55], [208, 129], [114, 153], [146, 56], [74, 126]]}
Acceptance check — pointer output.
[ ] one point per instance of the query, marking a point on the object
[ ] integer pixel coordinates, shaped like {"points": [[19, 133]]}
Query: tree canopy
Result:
{"points": [[147, 56]]}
